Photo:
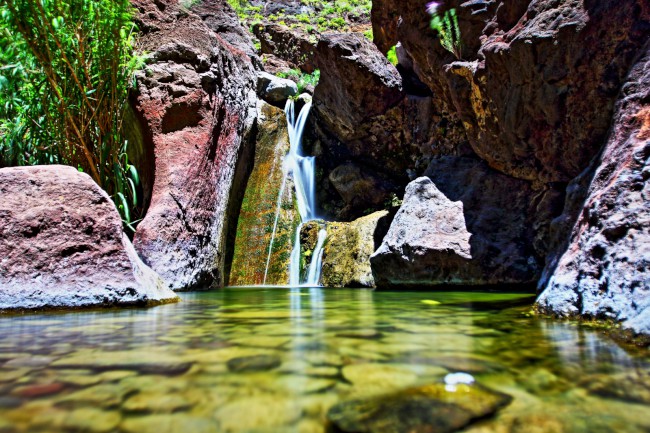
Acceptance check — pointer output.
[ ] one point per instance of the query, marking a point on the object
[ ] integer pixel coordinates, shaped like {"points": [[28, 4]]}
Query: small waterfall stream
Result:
{"points": [[303, 171]]}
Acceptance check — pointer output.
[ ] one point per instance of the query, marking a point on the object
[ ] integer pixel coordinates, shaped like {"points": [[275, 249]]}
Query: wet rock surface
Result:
{"points": [[436, 408], [603, 270], [259, 206], [346, 255], [62, 246], [196, 98]]}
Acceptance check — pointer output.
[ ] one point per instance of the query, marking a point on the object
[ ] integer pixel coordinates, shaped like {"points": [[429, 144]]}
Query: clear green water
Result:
{"points": [[187, 367]]}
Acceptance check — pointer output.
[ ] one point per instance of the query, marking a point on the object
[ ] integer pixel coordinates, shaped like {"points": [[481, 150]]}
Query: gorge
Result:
{"points": [[349, 223]]}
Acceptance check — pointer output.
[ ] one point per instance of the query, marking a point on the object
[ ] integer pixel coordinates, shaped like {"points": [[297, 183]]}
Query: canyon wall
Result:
{"points": [[196, 99]]}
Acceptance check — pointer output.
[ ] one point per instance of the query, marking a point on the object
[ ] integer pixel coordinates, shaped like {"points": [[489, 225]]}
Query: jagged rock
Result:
{"points": [[220, 17], [464, 224], [371, 87], [275, 90], [346, 255], [291, 45], [603, 271], [62, 245], [543, 122], [196, 99], [364, 117]]}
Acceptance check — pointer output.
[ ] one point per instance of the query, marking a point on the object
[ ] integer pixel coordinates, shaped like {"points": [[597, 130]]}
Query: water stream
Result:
{"points": [[302, 169]]}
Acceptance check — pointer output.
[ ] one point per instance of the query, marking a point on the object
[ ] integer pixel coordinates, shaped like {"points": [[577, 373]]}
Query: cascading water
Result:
{"points": [[316, 265], [303, 171]]}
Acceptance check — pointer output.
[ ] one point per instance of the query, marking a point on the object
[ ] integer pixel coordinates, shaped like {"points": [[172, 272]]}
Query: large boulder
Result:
{"points": [[196, 98], [347, 251], [371, 86], [604, 270], [62, 245], [465, 224]]}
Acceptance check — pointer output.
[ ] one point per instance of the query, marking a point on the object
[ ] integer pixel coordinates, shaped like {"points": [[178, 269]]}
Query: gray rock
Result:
{"points": [[604, 270], [465, 224], [275, 90], [62, 244]]}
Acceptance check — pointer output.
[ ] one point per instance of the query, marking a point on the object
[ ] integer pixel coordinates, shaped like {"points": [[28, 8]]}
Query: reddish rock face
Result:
{"points": [[604, 271], [62, 245], [538, 79], [196, 97]]}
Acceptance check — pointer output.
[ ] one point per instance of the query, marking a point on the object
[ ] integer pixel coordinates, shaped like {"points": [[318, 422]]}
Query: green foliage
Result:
{"points": [[302, 80], [332, 14], [448, 31], [66, 67], [392, 55]]}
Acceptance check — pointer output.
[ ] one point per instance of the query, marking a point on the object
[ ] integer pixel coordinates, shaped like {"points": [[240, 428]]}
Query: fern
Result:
{"points": [[448, 31]]}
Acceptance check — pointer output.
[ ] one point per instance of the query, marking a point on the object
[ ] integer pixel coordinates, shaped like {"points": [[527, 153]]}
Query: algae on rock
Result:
{"points": [[266, 194]]}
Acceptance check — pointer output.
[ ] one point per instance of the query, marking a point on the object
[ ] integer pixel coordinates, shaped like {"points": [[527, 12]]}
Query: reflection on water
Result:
{"points": [[276, 360]]}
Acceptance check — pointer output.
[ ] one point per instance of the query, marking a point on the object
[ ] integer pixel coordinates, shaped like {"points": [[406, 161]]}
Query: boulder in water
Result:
{"points": [[62, 245]]}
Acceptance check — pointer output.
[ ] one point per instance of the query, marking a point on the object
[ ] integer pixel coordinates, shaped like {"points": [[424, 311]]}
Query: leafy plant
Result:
{"points": [[66, 68], [302, 80], [392, 55], [446, 24]]}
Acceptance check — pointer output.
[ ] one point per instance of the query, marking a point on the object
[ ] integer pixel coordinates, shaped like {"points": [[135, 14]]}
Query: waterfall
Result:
{"points": [[316, 265], [294, 265], [303, 170]]}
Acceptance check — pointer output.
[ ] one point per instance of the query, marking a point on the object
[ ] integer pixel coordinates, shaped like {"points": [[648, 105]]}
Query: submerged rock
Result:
{"points": [[62, 245], [254, 363], [436, 408]]}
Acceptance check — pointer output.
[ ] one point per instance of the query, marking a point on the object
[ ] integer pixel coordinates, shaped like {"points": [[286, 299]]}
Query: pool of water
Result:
{"points": [[278, 360]]}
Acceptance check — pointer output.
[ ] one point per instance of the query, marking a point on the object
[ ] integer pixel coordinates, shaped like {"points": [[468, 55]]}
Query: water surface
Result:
{"points": [[276, 360]]}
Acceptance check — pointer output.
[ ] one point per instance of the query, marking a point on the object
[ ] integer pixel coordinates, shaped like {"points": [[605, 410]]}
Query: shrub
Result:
{"points": [[66, 68]]}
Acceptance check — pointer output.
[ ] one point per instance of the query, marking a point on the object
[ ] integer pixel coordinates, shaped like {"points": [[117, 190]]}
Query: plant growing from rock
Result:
{"points": [[446, 24], [67, 67]]}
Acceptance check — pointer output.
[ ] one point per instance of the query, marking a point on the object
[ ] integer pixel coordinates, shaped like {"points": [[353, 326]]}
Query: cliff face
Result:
{"points": [[196, 99], [535, 94], [603, 271]]}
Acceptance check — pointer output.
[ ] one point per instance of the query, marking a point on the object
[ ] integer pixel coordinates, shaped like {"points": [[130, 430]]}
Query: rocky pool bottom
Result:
{"points": [[314, 360]]}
